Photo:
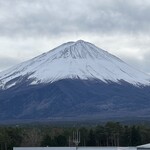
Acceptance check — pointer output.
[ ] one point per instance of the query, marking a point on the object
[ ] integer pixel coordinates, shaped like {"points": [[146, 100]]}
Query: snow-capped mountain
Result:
{"points": [[75, 60], [74, 81]]}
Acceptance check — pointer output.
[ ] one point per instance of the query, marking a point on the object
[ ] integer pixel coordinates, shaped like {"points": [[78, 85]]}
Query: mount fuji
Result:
{"points": [[76, 80]]}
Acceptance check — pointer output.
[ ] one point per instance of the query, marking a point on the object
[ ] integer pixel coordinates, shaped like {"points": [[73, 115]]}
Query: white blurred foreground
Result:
{"points": [[74, 148]]}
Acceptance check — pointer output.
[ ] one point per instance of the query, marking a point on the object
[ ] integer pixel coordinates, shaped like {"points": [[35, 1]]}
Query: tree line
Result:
{"points": [[109, 134]]}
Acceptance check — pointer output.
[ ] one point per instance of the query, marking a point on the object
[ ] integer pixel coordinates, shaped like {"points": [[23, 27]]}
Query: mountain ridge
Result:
{"points": [[74, 60], [68, 84]]}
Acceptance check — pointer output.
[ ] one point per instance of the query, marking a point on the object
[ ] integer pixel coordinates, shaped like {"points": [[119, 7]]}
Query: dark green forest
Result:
{"points": [[109, 134]]}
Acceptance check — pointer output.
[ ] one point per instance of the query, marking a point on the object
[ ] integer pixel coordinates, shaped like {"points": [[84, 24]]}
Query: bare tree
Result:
{"points": [[32, 138]]}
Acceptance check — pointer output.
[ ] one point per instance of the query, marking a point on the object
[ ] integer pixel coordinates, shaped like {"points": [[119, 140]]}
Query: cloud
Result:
{"points": [[29, 28], [7, 62], [49, 18]]}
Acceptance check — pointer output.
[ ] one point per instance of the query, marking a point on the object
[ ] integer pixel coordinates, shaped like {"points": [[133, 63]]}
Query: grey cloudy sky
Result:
{"points": [[29, 28]]}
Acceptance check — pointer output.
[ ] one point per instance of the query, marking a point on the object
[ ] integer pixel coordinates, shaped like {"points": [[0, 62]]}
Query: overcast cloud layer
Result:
{"points": [[29, 28]]}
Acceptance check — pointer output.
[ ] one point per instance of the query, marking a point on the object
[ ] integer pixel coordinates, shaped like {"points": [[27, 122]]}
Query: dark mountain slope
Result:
{"points": [[74, 99]]}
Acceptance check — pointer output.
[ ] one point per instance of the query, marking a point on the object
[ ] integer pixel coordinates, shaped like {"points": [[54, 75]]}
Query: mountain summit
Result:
{"points": [[74, 60], [74, 81]]}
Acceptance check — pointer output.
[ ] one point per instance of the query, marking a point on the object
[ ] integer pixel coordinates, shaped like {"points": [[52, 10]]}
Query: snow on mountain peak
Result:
{"points": [[73, 60], [82, 50]]}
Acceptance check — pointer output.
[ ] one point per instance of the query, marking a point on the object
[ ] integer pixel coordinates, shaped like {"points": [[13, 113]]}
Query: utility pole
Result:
{"points": [[69, 141], [5, 146], [76, 138]]}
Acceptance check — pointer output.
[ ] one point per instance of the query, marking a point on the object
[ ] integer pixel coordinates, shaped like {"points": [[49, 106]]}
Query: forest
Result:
{"points": [[109, 134]]}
